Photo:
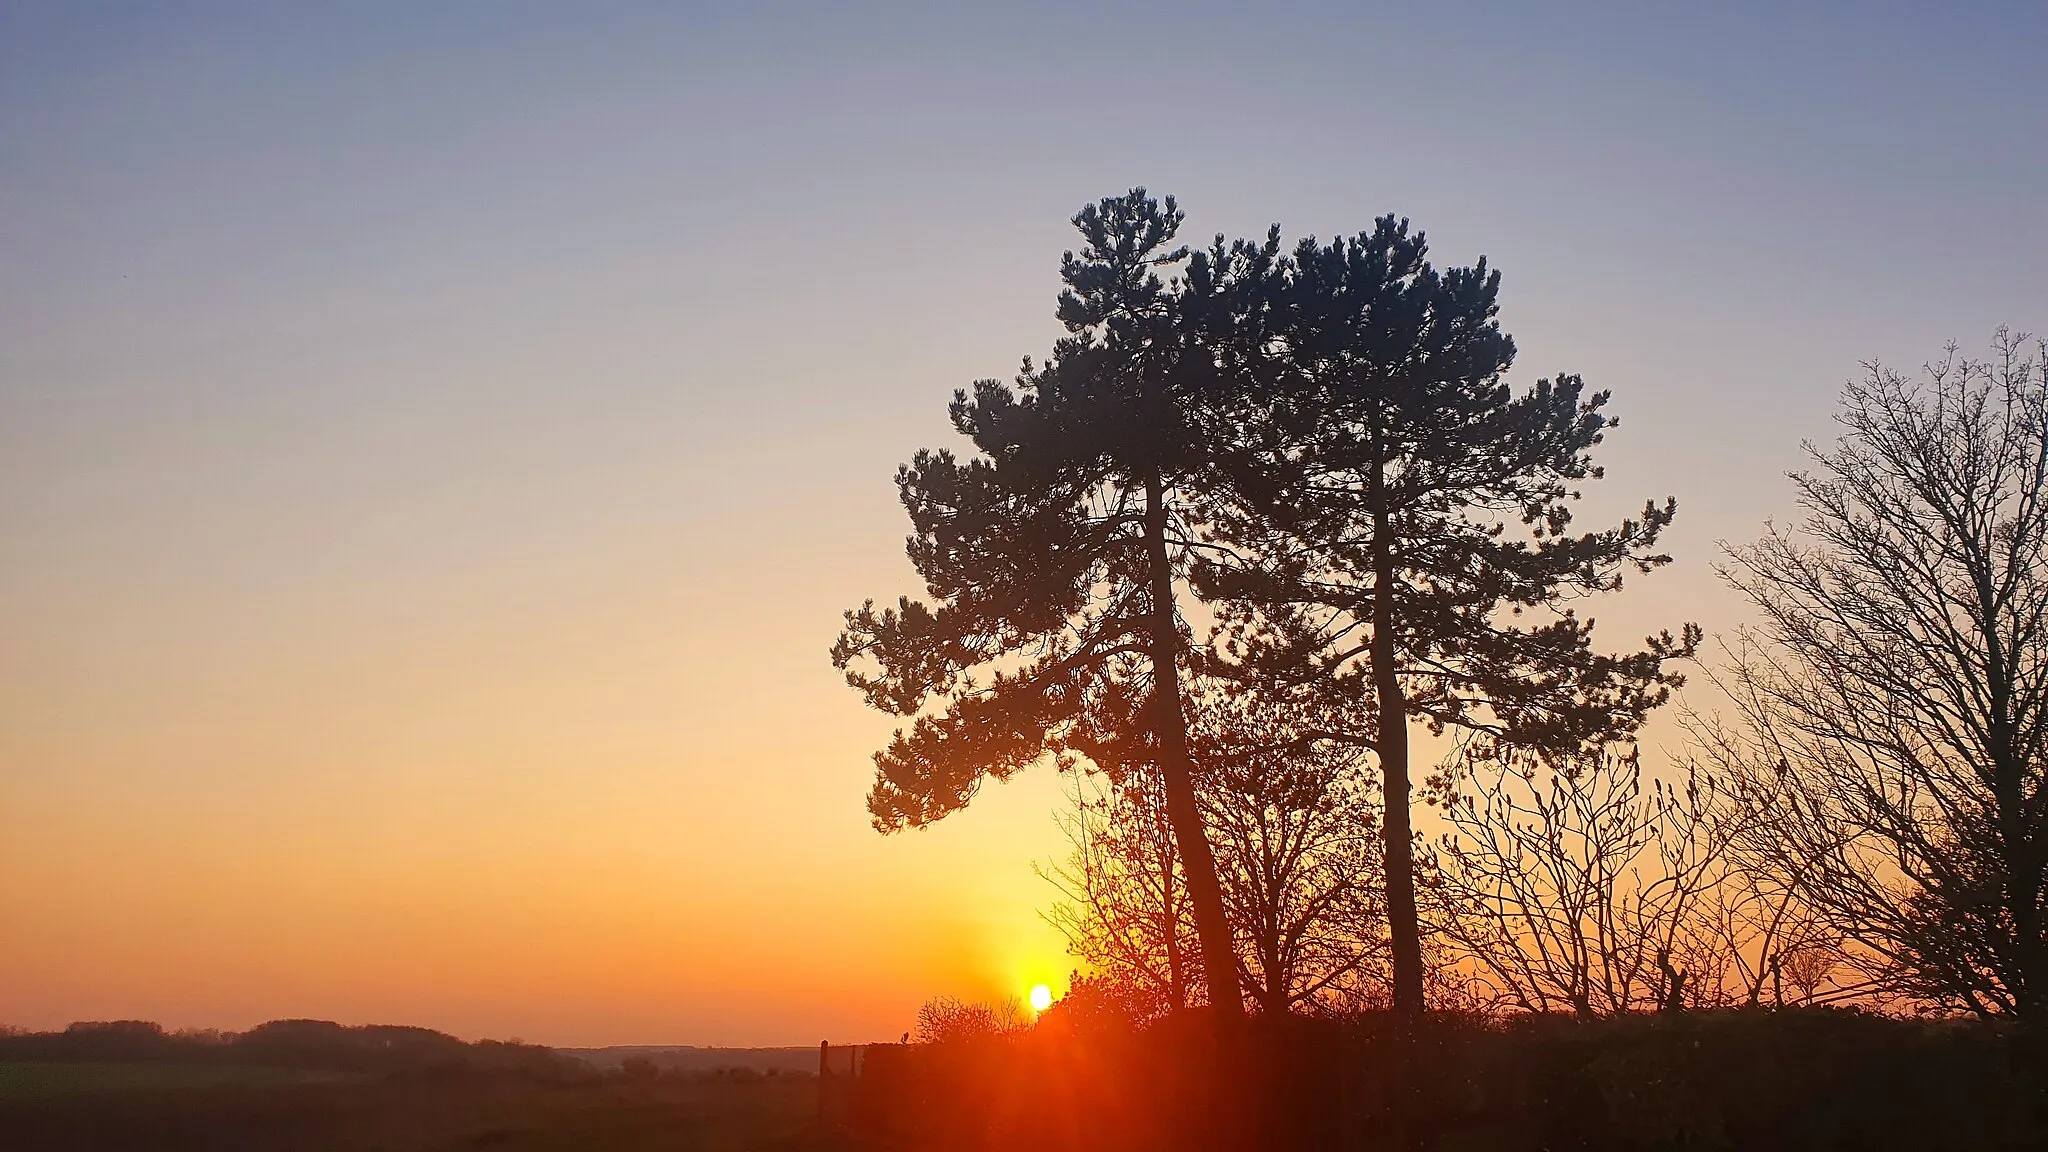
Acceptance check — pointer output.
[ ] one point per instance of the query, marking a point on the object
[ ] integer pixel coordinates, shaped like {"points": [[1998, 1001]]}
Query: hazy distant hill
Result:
{"points": [[690, 1058]]}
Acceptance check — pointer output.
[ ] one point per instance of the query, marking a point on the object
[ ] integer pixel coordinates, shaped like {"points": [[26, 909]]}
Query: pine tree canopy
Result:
{"points": [[1386, 422], [1032, 549]]}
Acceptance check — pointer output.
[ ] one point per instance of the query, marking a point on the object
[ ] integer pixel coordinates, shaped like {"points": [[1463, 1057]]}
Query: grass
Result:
{"points": [[98, 1107], [34, 1082]]}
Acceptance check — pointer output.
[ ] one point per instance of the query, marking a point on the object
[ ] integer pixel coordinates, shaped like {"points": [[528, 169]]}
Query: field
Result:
{"points": [[29, 1083], [63, 1107]]}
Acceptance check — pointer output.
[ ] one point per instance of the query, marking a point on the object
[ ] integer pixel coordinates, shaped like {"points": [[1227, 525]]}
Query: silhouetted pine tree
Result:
{"points": [[1049, 556], [1402, 545]]}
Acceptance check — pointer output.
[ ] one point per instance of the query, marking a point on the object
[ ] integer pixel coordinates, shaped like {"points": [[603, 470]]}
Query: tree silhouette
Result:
{"points": [[1401, 544], [1124, 908], [1296, 827], [1294, 831], [1575, 886], [1050, 555], [1892, 731]]}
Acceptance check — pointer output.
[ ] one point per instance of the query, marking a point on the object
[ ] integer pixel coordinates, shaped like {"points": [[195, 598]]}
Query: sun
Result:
{"points": [[1041, 997]]}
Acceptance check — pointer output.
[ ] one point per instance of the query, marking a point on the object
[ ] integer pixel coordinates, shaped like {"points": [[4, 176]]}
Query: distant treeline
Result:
{"points": [[318, 1045]]}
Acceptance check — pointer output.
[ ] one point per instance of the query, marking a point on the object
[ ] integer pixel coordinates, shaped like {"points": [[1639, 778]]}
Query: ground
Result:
{"points": [[107, 1107]]}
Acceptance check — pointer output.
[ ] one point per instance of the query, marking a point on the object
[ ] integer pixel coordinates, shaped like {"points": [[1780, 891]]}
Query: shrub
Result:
{"points": [[945, 1020]]}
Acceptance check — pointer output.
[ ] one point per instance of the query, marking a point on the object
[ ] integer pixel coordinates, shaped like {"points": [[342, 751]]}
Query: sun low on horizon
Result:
{"points": [[440, 445]]}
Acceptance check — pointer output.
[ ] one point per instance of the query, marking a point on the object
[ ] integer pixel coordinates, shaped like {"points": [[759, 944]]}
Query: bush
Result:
{"points": [[944, 1020], [1715, 1082]]}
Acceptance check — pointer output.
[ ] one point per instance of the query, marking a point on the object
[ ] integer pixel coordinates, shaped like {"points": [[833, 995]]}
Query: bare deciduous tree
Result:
{"points": [[1294, 829], [1891, 708], [1573, 887], [1758, 939], [946, 1020], [1124, 907]]}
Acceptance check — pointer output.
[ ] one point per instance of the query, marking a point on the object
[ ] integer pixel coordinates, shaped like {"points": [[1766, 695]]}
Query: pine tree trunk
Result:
{"points": [[1212, 928], [1392, 745]]}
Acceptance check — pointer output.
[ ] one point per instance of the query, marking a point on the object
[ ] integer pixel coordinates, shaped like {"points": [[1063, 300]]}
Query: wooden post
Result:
{"points": [[824, 1072]]}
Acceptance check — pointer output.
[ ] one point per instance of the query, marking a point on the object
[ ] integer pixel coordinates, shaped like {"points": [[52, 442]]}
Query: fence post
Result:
{"points": [[824, 1073]]}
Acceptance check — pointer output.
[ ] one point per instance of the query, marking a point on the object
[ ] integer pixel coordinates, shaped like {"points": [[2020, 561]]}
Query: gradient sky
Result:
{"points": [[436, 445]]}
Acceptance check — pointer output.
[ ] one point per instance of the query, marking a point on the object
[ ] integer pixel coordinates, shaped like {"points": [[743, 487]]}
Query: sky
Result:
{"points": [[437, 442]]}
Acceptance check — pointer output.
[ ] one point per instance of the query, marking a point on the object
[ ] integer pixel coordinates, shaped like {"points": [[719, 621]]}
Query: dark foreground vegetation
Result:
{"points": [[1789, 1079]]}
